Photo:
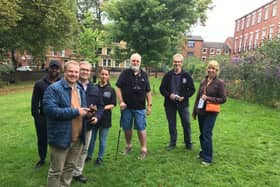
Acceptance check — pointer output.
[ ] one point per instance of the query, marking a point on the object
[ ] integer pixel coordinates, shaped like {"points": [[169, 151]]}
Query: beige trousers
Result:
{"points": [[62, 164], [83, 155]]}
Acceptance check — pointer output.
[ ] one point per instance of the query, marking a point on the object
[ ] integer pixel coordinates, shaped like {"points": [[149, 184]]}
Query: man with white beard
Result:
{"points": [[133, 89]]}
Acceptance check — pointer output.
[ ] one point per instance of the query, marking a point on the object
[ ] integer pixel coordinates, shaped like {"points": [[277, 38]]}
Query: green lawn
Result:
{"points": [[246, 150]]}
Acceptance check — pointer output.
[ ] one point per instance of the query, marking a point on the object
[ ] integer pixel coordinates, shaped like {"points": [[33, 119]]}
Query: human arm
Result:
{"points": [[149, 102], [120, 98]]}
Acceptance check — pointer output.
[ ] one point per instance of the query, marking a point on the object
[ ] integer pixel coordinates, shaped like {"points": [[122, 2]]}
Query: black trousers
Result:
{"points": [[171, 111], [41, 130]]}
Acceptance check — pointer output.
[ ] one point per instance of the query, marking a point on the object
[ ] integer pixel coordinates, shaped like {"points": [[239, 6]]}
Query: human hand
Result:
{"points": [[122, 105], [149, 110], [204, 97], [93, 120], [83, 111], [172, 97]]}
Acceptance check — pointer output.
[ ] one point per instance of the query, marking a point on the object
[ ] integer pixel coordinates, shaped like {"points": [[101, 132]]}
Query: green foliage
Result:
{"points": [[195, 67], [9, 14], [250, 160], [256, 78], [153, 28], [43, 24]]}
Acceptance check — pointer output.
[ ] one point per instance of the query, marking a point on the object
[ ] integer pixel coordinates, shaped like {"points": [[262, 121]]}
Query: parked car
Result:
{"points": [[24, 68]]}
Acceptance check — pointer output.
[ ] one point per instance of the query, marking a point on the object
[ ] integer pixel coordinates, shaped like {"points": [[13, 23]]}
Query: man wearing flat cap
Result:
{"points": [[37, 109]]}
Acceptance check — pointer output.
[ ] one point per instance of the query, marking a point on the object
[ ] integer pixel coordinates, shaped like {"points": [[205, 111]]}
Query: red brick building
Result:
{"points": [[258, 25], [195, 46], [192, 46]]}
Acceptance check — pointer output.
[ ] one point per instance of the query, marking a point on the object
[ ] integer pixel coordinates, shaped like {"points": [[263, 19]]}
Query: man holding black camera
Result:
{"points": [[96, 105], [176, 87]]}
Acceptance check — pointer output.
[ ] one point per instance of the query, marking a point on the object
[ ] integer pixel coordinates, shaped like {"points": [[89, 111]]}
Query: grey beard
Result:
{"points": [[135, 68]]}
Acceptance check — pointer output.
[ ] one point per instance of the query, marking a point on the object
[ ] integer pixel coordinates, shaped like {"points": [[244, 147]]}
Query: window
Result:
{"points": [[256, 39], [278, 35], [109, 51], [104, 62], [243, 22], [270, 32], [240, 43], [245, 42], [235, 44], [259, 16], [191, 44], [248, 21], [237, 25], [99, 51], [212, 51], [203, 58], [204, 50], [254, 18], [251, 40], [274, 9], [264, 34], [190, 53], [266, 11], [109, 63], [219, 51], [63, 53]]}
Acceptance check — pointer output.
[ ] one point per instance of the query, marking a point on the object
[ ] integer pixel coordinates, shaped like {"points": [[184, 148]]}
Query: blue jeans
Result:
{"points": [[103, 132], [171, 111], [206, 125]]}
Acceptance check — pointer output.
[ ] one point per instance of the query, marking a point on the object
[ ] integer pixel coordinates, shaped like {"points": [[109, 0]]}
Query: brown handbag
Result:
{"points": [[212, 107]]}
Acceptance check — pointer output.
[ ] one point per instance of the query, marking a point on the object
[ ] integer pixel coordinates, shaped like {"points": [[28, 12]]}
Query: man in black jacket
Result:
{"points": [[37, 109], [95, 102], [176, 87]]}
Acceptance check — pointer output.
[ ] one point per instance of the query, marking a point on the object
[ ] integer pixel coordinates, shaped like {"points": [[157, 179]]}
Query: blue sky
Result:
{"points": [[221, 19]]}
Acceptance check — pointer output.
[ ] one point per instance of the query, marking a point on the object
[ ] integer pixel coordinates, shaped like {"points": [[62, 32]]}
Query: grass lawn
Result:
{"points": [[246, 149]]}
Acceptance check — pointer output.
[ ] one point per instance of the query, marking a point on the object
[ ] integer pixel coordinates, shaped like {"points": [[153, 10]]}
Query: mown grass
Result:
{"points": [[246, 150]]}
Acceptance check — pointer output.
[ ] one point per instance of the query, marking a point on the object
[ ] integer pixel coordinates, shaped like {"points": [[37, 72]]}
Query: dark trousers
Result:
{"points": [[171, 111], [206, 126], [41, 129]]}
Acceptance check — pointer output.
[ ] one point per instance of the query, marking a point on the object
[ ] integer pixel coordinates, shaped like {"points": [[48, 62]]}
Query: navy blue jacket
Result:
{"points": [[186, 88], [57, 109], [94, 97]]}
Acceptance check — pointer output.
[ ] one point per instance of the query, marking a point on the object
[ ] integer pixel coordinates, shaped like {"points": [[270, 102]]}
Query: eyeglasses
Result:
{"points": [[82, 69]]}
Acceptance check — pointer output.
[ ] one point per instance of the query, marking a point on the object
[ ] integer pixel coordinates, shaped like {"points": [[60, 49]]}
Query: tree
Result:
{"points": [[43, 24], [9, 14], [154, 28]]}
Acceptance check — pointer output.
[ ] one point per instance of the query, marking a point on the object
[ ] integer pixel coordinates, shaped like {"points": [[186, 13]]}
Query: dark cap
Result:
{"points": [[54, 63]]}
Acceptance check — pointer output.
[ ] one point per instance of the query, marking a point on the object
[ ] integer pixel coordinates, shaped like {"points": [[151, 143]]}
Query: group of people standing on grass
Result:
{"points": [[69, 112]]}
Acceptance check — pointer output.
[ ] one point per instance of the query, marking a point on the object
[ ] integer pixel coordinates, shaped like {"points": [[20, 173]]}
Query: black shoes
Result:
{"points": [[189, 146], [40, 164], [98, 161], [88, 159], [80, 178], [170, 147]]}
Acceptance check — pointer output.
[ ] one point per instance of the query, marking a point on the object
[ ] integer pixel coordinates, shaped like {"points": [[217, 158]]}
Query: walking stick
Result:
{"points": [[118, 143]]}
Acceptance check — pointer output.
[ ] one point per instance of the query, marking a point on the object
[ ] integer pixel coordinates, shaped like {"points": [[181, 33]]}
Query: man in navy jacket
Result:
{"points": [[176, 87], [64, 105]]}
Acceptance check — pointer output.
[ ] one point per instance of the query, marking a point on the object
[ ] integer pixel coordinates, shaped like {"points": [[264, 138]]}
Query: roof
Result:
{"points": [[217, 45], [194, 38]]}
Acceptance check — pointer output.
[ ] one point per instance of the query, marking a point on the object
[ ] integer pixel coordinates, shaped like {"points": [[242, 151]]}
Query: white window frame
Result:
{"points": [[274, 9], [256, 38], [240, 43], [253, 18], [251, 40], [212, 51], [204, 50], [270, 34], [218, 51], [245, 41], [235, 44], [248, 21], [243, 23], [237, 25], [259, 16], [263, 33], [266, 12]]}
